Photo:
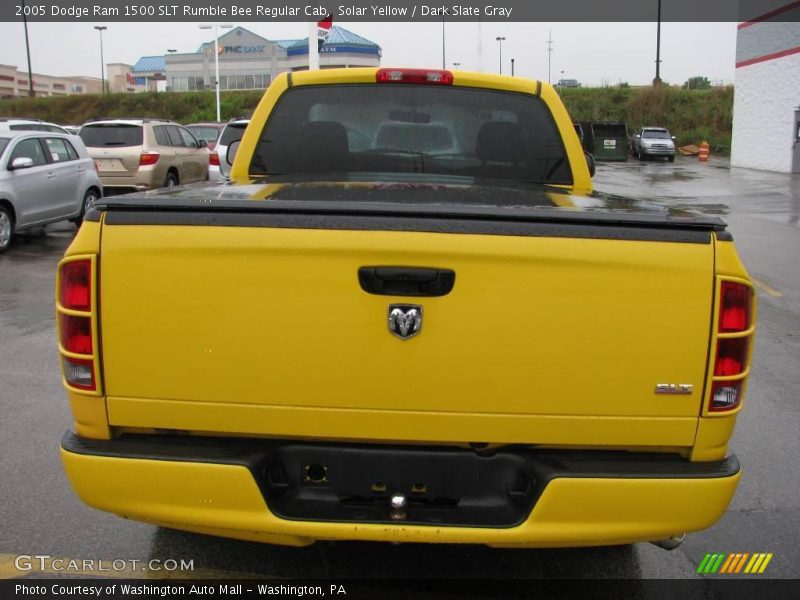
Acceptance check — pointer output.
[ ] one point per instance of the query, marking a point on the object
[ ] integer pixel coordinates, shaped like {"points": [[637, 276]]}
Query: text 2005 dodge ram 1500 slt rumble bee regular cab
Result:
{"points": [[407, 318]]}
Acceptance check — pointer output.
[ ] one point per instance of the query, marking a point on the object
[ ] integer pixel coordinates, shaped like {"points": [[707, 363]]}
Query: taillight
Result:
{"points": [[731, 357], [733, 346], [76, 321], [725, 395], [419, 76], [79, 373], [734, 312], [76, 285], [148, 158], [213, 159], [76, 334]]}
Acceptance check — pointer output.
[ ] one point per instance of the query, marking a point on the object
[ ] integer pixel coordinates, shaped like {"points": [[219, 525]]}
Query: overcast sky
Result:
{"points": [[593, 53]]}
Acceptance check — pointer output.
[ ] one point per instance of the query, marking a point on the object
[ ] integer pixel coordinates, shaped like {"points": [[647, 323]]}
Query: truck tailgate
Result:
{"points": [[266, 331]]}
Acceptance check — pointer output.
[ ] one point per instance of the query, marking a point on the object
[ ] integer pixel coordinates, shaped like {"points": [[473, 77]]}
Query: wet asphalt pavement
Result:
{"points": [[40, 515]]}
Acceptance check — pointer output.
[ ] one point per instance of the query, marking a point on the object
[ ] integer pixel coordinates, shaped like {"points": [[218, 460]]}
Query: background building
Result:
{"points": [[766, 105], [246, 61], [14, 83]]}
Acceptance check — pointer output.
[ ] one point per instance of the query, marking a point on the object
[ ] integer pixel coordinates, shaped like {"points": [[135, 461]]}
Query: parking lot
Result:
{"points": [[41, 515]]}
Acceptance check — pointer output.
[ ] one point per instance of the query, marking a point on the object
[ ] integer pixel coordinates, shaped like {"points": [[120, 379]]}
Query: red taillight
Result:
{"points": [[76, 334], [148, 158], [735, 316], [725, 395], [75, 330], [76, 285], [420, 76], [731, 357], [213, 159], [735, 307], [79, 373]]}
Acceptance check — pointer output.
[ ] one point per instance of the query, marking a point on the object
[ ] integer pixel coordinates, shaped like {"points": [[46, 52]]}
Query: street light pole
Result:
{"points": [[549, 52], [31, 93], [169, 51], [512, 67], [657, 80], [216, 29], [501, 40], [443, 44], [101, 29]]}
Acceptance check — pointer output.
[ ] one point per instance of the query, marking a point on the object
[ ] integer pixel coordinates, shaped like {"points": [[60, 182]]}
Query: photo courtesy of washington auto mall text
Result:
{"points": [[176, 590], [399, 299]]}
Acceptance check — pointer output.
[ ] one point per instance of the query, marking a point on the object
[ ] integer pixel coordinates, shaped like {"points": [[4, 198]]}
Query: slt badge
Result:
{"points": [[405, 320]]}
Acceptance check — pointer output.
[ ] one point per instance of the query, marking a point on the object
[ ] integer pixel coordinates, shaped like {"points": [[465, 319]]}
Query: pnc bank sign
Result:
{"points": [[251, 49]]}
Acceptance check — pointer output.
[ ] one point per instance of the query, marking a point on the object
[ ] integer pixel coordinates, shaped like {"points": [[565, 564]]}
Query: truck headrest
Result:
{"points": [[323, 146], [500, 141]]}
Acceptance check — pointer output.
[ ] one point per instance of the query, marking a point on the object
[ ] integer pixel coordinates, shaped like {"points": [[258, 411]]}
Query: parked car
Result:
{"points": [[653, 141], [219, 169], [568, 83], [207, 131], [25, 124], [143, 154], [44, 177]]}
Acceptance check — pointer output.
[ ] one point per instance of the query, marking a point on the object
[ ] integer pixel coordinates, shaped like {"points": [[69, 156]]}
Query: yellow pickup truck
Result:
{"points": [[407, 318]]}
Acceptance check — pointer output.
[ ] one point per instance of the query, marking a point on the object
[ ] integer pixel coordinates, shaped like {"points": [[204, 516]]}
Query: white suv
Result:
{"points": [[219, 169], [20, 124]]}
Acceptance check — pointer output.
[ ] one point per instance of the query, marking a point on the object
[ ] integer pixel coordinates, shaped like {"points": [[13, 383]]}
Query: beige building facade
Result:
{"points": [[15, 83]]}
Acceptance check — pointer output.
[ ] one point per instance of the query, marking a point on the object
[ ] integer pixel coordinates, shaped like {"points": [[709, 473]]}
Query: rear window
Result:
{"points": [[208, 134], [438, 130], [233, 133], [116, 135], [28, 127]]}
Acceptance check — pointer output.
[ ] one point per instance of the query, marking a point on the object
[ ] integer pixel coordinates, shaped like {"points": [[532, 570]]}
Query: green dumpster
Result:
{"points": [[610, 141]]}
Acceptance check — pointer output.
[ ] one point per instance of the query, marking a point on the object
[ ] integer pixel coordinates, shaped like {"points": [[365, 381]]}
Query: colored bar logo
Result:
{"points": [[737, 562]]}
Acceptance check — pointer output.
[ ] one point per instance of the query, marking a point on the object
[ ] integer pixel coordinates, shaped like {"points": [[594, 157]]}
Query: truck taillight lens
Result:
{"points": [[77, 312], [725, 395], [731, 357], [148, 158], [76, 334], [79, 373], [213, 159], [735, 307], [76, 285], [734, 336], [418, 76]]}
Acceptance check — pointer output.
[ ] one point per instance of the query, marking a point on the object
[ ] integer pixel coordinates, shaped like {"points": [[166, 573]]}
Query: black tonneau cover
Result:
{"points": [[320, 204]]}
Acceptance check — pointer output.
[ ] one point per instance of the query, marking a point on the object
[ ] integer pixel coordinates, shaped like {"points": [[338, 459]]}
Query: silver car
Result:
{"points": [[44, 177]]}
